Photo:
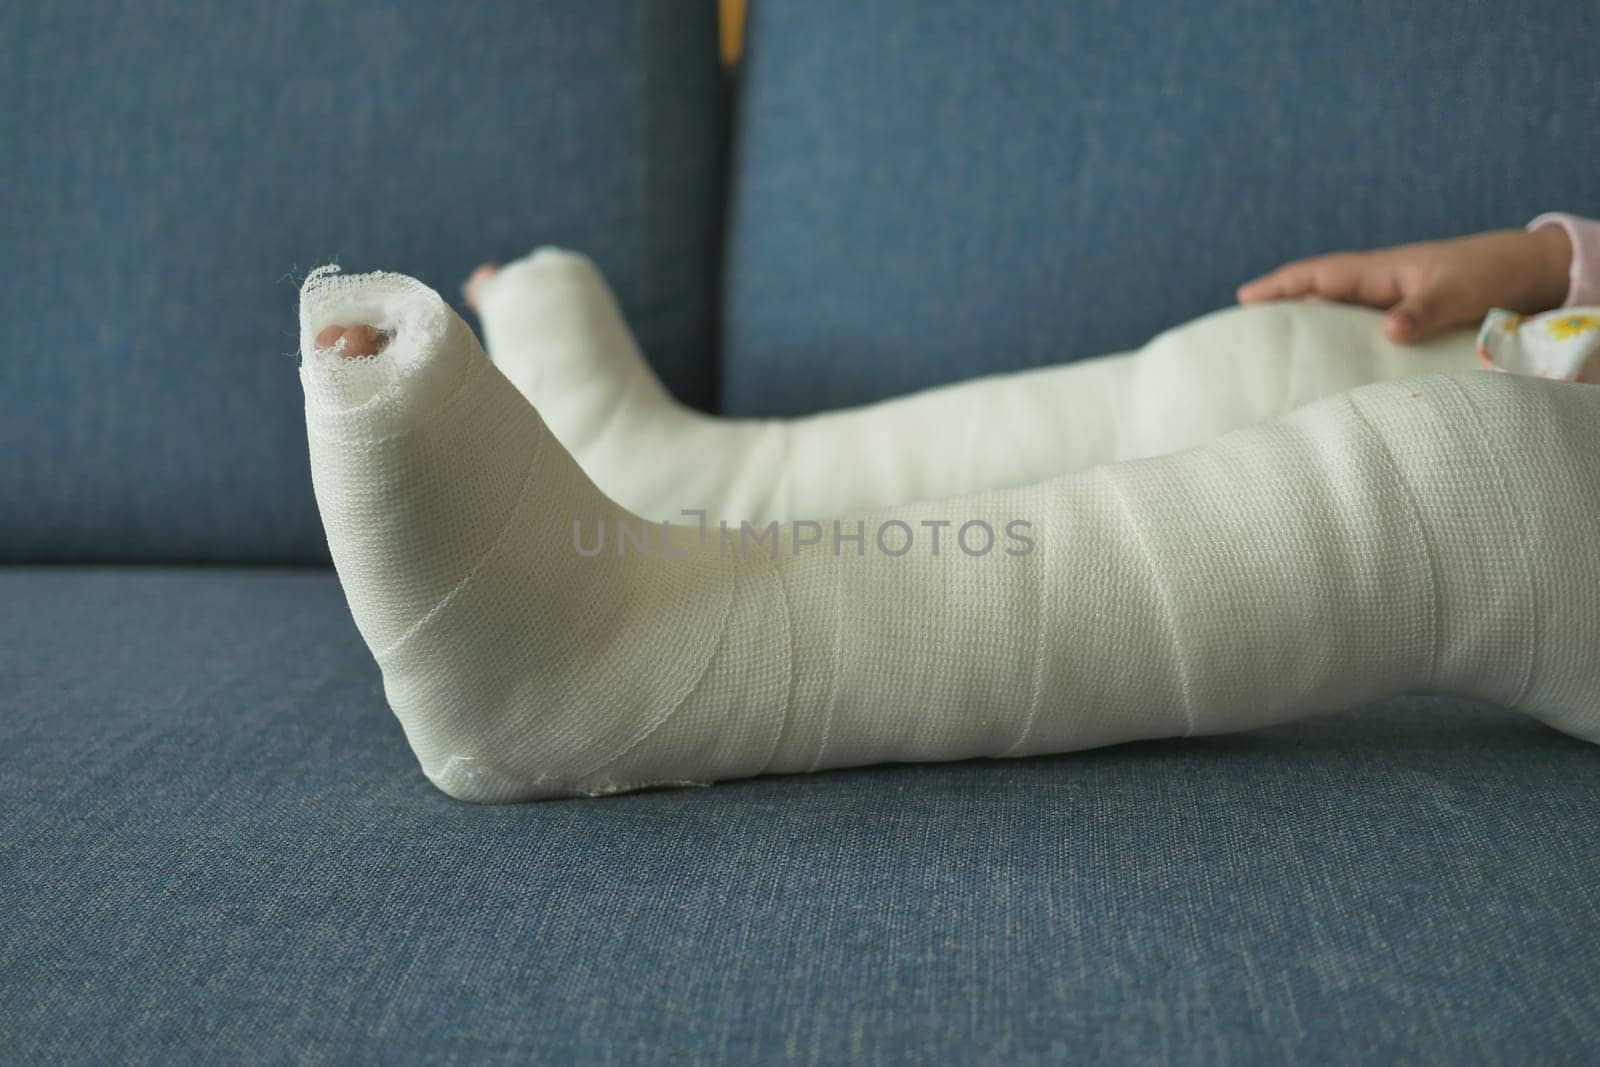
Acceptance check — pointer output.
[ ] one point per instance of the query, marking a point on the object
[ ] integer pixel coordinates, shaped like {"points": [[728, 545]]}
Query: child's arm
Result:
{"points": [[1435, 286]]}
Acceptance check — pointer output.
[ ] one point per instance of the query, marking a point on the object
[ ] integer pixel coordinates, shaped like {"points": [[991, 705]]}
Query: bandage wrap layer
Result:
{"points": [[552, 326], [1432, 532]]}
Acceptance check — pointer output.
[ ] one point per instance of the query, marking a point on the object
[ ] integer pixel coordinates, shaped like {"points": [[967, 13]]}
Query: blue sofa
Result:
{"points": [[215, 845]]}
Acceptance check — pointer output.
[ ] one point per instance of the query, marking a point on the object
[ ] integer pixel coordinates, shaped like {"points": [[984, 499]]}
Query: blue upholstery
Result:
{"points": [[926, 191], [215, 845], [170, 169]]}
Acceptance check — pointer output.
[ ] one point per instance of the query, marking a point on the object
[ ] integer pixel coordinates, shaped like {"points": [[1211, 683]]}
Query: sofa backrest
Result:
{"points": [[928, 191], [168, 171]]}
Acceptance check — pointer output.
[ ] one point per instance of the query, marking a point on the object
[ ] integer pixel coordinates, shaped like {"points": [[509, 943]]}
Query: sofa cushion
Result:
{"points": [[924, 192], [171, 169], [216, 846]]}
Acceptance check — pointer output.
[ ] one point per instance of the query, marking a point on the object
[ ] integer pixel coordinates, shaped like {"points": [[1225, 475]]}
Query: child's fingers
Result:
{"points": [[1354, 278], [1400, 326], [1255, 290], [1268, 287], [1333, 277], [1426, 313]]}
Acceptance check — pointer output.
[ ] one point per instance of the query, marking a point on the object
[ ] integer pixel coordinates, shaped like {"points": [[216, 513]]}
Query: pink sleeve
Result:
{"points": [[1584, 287]]}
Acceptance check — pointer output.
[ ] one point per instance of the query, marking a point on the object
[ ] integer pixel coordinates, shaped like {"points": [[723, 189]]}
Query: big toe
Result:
{"points": [[469, 288], [359, 340]]}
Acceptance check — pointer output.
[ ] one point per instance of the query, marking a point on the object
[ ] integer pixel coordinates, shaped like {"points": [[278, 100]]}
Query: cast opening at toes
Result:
{"points": [[353, 342], [469, 288]]}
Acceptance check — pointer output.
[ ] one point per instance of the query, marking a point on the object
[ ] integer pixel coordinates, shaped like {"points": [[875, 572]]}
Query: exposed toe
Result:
{"points": [[470, 286], [360, 340]]}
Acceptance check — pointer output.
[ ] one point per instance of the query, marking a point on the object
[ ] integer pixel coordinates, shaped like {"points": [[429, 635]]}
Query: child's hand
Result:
{"points": [[1433, 286]]}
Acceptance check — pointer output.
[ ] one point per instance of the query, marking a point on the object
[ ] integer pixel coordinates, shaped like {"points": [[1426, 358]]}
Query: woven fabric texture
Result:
{"points": [[1428, 533], [926, 192], [173, 169], [209, 858]]}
